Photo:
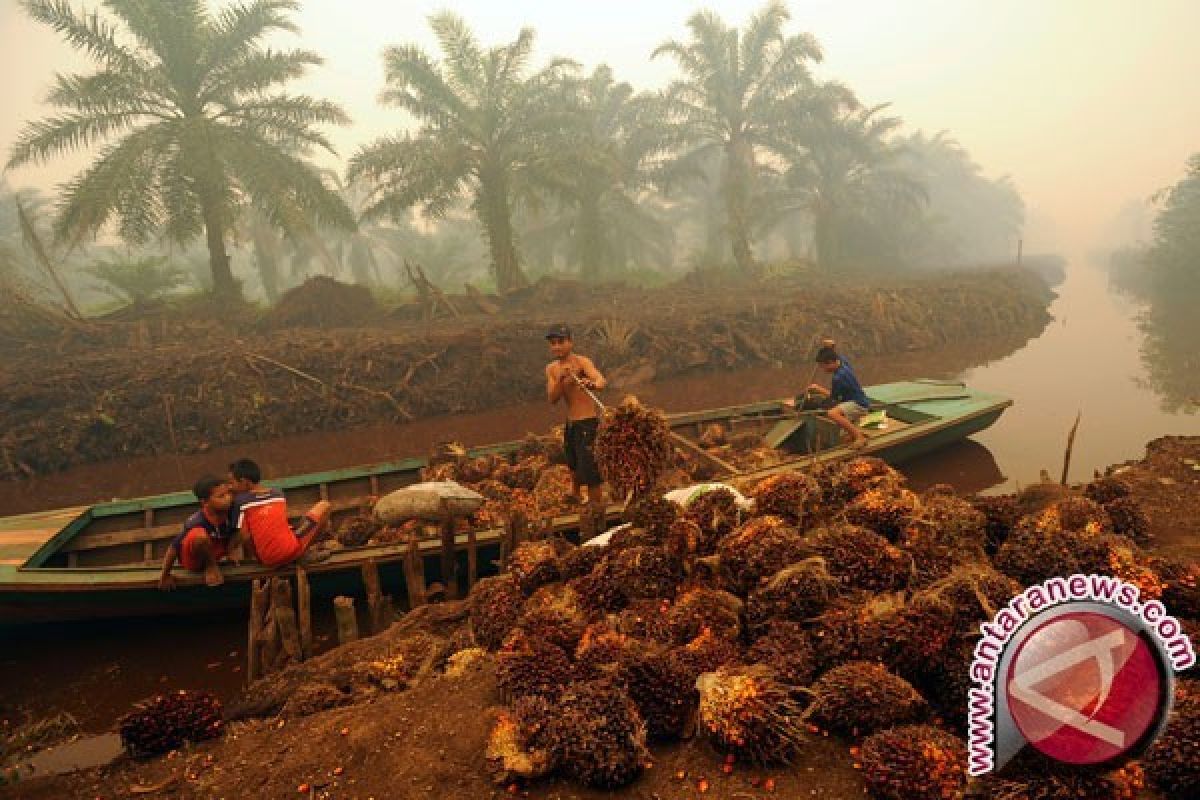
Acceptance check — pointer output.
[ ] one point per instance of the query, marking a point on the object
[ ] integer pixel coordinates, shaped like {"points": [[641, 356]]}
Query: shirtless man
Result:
{"points": [[566, 377]]}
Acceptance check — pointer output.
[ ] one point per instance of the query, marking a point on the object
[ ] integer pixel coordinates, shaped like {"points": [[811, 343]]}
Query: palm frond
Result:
{"points": [[239, 26], [87, 32]]}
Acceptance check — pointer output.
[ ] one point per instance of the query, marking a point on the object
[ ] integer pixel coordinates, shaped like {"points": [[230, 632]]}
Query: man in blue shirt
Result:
{"points": [[846, 402]]}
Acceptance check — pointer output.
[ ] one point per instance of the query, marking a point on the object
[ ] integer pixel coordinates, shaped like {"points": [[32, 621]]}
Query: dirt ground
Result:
{"points": [[424, 737], [184, 383]]}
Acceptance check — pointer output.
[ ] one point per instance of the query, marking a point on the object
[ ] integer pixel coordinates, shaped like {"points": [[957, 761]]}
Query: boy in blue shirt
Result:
{"points": [[846, 402]]}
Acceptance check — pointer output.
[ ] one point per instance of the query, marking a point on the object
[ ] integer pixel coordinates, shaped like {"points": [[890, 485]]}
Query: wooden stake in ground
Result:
{"points": [[347, 621], [472, 559], [285, 618], [304, 611], [414, 575], [1070, 447], [375, 606], [259, 601]]}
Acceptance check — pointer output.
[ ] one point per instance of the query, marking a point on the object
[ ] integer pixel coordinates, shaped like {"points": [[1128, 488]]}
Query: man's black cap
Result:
{"points": [[826, 355], [558, 331]]}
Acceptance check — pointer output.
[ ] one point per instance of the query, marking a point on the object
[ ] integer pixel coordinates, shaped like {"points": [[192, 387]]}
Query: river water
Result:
{"points": [[1087, 361]]}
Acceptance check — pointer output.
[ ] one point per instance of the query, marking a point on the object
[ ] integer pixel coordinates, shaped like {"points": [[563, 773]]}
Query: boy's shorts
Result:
{"points": [[579, 437], [853, 411], [189, 554]]}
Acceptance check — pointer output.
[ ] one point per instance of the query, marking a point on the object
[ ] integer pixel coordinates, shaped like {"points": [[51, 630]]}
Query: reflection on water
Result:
{"points": [[1171, 353], [1089, 361]]}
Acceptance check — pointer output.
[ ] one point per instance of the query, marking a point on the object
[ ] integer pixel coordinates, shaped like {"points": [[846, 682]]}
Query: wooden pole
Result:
{"points": [[285, 618], [304, 611], [472, 559], [1070, 447], [370, 574], [414, 575], [449, 565], [270, 640], [347, 621], [254, 647]]}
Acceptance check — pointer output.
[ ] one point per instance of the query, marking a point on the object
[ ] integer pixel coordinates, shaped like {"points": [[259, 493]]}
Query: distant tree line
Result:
{"points": [[1165, 273], [745, 157]]}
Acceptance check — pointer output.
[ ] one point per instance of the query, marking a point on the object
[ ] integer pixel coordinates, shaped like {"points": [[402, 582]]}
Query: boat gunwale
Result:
{"points": [[994, 404]]}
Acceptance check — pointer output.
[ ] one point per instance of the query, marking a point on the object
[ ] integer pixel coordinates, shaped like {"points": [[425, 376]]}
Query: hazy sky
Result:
{"points": [[1086, 103]]}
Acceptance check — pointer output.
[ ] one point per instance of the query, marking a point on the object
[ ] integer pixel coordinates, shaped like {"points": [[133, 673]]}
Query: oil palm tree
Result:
{"points": [[486, 126], [738, 88], [854, 181], [603, 176], [190, 109]]}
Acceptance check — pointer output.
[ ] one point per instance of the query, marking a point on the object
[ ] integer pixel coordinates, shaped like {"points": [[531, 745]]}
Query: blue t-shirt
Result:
{"points": [[845, 386]]}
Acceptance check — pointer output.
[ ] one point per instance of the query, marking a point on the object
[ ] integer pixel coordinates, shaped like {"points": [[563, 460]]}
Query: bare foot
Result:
{"points": [[213, 576]]}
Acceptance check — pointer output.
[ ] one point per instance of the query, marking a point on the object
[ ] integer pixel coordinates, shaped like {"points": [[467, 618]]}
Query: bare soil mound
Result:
{"points": [[323, 302]]}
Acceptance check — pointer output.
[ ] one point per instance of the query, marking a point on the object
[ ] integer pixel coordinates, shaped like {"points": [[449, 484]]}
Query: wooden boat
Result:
{"points": [[104, 560]]}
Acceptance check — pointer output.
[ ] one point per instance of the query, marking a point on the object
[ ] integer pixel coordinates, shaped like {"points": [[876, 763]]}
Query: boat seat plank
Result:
{"points": [[94, 541]]}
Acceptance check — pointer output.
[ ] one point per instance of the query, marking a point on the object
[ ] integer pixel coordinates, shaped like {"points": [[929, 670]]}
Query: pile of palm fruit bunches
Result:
{"points": [[534, 483], [842, 604]]}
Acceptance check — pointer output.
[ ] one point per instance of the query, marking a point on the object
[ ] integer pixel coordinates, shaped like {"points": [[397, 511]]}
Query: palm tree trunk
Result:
{"points": [[824, 237], [591, 241], [737, 203], [266, 256], [218, 256], [496, 215]]}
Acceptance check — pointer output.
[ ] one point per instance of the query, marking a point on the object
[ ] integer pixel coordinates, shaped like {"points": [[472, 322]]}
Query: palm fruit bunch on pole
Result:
{"points": [[860, 558], [750, 713], [796, 593], [633, 447], [758, 549], [597, 735], [793, 496], [914, 762], [528, 665], [164, 722], [495, 606], [886, 511], [862, 697]]}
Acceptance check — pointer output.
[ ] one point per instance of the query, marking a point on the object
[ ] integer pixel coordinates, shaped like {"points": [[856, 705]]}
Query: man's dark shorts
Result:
{"points": [[579, 437]]}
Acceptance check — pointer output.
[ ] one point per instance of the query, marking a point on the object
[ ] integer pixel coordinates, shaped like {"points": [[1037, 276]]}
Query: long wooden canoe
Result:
{"points": [[103, 560]]}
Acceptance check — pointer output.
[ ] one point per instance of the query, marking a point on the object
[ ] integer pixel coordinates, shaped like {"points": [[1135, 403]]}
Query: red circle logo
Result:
{"points": [[1084, 689]]}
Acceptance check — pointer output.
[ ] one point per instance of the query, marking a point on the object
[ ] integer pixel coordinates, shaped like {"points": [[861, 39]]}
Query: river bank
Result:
{"points": [[173, 387], [427, 737]]}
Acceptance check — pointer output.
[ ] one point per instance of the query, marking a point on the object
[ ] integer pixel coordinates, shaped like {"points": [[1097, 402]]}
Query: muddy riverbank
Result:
{"points": [[186, 387]]}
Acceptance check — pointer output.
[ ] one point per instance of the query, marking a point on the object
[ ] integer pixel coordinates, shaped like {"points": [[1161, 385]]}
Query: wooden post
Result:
{"points": [[347, 622], [370, 574], [414, 575], [270, 640], [254, 646], [285, 618], [472, 559], [449, 565], [304, 612], [1070, 447]]}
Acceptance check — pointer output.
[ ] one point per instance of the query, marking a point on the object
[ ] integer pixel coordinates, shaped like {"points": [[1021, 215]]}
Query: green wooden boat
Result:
{"points": [[103, 560]]}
